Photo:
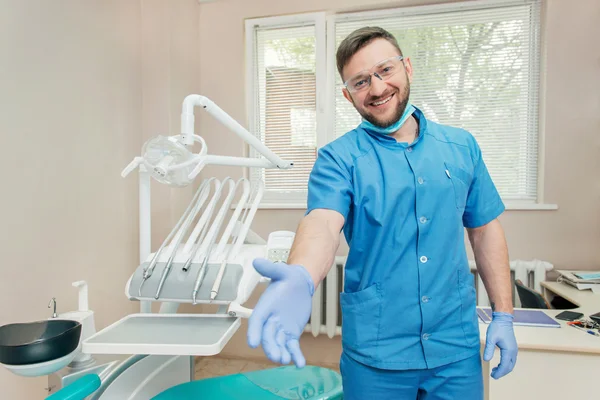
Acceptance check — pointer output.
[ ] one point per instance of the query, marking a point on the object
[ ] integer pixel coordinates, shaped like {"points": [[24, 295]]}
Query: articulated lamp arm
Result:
{"points": [[196, 162], [187, 130]]}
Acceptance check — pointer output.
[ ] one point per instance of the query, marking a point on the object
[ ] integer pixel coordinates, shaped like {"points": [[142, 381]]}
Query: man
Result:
{"points": [[403, 189]]}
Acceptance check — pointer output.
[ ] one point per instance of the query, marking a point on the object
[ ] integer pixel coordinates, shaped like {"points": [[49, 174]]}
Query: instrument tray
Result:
{"points": [[165, 334]]}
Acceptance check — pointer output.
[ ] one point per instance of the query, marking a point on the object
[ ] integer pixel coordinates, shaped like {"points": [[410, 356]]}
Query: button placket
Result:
{"points": [[422, 220]]}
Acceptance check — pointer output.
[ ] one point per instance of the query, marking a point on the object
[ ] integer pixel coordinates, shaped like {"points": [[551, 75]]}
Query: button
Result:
{"points": [[422, 220], [423, 259], [409, 149], [424, 299], [420, 180], [426, 336]]}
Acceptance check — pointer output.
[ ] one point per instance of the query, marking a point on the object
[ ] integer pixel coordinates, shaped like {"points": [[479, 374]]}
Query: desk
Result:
{"points": [[583, 299], [550, 357]]}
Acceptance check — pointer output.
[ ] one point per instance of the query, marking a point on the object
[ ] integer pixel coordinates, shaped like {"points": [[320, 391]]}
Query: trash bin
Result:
{"points": [[288, 382]]}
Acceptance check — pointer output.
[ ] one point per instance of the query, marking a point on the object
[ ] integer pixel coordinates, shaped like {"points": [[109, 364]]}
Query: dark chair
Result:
{"points": [[529, 297]]}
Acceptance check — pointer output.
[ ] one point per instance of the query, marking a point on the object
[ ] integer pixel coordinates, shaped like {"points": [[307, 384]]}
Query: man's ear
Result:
{"points": [[409, 69], [347, 95]]}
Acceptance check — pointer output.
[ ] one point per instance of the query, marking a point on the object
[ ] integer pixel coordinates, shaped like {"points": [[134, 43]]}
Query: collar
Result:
{"points": [[390, 141]]}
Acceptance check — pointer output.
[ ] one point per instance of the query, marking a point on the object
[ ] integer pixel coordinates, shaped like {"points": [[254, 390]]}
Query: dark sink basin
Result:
{"points": [[37, 342]]}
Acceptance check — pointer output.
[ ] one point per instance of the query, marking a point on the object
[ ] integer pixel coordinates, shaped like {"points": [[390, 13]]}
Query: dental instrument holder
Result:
{"points": [[178, 285]]}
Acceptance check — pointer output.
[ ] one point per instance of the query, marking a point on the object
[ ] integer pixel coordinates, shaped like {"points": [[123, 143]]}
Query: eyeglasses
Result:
{"points": [[383, 70]]}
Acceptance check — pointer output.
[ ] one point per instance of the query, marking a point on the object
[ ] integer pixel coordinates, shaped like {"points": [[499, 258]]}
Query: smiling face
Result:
{"points": [[384, 101]]}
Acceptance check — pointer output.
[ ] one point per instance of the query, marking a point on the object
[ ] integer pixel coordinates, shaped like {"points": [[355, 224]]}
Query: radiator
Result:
{"points": [[531, 273], [326, 315]]}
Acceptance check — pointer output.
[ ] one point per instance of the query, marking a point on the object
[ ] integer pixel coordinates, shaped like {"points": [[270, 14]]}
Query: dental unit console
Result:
{"points": [[205, 259]]}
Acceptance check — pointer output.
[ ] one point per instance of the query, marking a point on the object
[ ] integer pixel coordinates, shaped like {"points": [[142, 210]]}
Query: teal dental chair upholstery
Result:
{"points": [[288, 382]]}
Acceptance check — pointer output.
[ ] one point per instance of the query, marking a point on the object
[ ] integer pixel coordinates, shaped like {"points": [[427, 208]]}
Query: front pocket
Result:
{"points": [[461, 181], [468, 303], [361, 313]]}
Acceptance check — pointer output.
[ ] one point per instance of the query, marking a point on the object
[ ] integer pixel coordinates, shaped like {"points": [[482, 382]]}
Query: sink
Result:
{"points": [[34, 348]]}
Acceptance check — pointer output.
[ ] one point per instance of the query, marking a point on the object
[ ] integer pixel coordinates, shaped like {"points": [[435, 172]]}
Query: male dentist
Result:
{"points": [[402, 189]]}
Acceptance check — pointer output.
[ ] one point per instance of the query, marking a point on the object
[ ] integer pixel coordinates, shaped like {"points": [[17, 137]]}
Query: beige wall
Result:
{"points": [[169, 70], [568, 237], [83, 84]]}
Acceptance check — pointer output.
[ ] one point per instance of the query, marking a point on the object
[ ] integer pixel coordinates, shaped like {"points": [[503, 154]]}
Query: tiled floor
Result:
{"points": [[208, 367]]}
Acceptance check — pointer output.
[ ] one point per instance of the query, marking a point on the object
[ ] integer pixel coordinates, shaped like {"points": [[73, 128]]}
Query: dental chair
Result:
{"points": [[150, 355], [287, 382]]}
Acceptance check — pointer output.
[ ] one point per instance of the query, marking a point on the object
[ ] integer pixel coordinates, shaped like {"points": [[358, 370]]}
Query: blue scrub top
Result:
{"points": [[409, 296]]}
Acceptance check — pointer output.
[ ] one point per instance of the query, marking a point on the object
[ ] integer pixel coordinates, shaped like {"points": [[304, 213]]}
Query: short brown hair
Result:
{"points": [[359, 39]]}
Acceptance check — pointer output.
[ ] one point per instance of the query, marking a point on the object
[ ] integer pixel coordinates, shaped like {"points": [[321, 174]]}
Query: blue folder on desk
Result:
{"points": [[522, 318]]}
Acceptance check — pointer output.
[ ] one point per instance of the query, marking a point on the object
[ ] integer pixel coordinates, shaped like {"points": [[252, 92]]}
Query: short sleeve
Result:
{"points": [[330, 183], [483, 200]]}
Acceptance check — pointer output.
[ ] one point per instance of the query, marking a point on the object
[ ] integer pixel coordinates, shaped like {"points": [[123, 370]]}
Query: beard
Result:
{"points": [[398, 112]]}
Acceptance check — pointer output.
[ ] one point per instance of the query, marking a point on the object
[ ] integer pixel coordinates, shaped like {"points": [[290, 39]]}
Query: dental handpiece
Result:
{"points": [[205, 221], [185, 228], [203, 233], [150, 269], [188, 262], [165, 272], [167, 268], [203, 266], [201, 273], [215, 228], [217, 284], [215, 289]]}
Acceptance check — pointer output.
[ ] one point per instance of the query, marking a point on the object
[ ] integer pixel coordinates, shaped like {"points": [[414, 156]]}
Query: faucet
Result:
{"points": [[53, 301]]}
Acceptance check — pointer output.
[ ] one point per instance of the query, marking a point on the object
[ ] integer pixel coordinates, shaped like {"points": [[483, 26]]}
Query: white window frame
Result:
{"points": [[326, 74], [283, 199]]}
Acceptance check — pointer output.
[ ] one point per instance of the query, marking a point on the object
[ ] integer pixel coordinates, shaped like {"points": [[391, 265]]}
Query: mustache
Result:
{"points": [[379, 98]]}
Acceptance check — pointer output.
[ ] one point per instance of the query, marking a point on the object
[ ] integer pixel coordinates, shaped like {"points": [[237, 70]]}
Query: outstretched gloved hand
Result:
{"points": [[500, 333], [282, 311]]}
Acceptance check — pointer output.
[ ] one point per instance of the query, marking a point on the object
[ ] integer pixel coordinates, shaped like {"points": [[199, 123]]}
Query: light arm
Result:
{"points": [[167, 165], [187, 130]]}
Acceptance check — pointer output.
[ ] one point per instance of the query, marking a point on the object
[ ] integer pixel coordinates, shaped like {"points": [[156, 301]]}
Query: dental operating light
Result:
{"points": [[170, 161]]}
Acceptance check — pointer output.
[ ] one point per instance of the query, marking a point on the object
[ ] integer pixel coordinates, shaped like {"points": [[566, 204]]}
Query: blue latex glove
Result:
{"points": [[282, 311], [500, 333]]}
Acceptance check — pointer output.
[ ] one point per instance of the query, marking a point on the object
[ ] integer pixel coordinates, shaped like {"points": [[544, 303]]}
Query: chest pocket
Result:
{"points": [[461, 182]]}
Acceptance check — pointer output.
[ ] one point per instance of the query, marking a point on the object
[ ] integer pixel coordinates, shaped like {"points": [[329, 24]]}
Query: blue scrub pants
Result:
{"points": [[461, 380]]}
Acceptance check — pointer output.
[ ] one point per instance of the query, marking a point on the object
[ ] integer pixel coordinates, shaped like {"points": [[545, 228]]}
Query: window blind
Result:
{"points": [[475, 67], [284, 103]]}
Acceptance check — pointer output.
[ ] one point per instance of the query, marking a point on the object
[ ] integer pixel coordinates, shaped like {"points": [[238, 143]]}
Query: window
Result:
{"points": [[287, 61], [476, 66], [303, 123]]}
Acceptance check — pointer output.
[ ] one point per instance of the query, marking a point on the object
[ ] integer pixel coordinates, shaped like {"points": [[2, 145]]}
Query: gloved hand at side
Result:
{"points": [[282, 311], [500, 333]]}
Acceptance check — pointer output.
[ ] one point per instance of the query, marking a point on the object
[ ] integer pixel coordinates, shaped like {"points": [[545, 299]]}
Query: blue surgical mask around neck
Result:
{"points": [[408, 111]]}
